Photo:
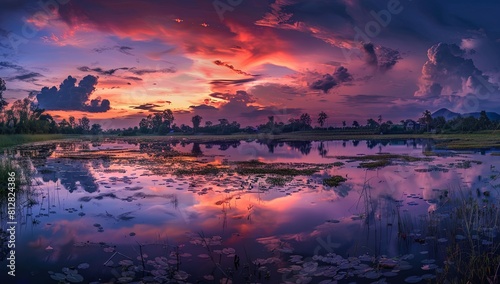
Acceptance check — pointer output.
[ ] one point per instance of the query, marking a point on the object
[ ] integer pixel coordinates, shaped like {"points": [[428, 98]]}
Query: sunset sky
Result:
{"points": [[245, 60]]}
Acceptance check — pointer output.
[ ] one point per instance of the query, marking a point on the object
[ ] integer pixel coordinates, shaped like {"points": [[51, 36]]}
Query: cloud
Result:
{"points": [[27, 77], [10, 65], [380, 57], [120, 48], [448, 72], [225, 64], [327, 82], [148, 106], [141, 72], [133, 78], [363, 99], [70, 96], [225, 82], [202, 107], [101, 71]]}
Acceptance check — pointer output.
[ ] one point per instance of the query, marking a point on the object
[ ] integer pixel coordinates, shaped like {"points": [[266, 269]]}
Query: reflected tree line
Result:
{"points": [[303, 147]]}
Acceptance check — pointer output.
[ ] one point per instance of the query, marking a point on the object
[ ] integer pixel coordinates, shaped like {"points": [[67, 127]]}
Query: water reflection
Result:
{"points": [[114, 203]]}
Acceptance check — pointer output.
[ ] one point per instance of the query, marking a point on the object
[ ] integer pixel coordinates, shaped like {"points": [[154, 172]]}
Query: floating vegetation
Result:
{"points": [[281, 169], [278, 181], [381, 160], [432, 169], [334, 180], [467, 164], [374, 165], [200, 170]]}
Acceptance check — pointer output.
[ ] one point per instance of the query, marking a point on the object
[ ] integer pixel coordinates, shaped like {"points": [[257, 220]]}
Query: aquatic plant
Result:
{"points": [[334, 180]]}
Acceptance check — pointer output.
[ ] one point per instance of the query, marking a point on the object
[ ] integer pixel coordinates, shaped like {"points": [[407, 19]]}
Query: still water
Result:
{"points": [[120, 212]]}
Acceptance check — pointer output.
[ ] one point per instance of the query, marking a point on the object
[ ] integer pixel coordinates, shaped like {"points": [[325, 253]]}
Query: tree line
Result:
{"points": [[25, 117]]}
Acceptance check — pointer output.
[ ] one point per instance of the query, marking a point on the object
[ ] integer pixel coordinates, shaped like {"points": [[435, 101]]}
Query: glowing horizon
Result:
{"points": [[247, 60]]}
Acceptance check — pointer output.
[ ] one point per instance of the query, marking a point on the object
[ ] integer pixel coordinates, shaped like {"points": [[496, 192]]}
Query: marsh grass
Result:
{"points": [[203, 170], [470, 226], [258, 168], [22, 176], [334, 180], [381, 160]]}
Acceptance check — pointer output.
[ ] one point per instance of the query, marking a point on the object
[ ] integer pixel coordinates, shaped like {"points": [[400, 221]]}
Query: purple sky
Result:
{"points": [[246, 60]]}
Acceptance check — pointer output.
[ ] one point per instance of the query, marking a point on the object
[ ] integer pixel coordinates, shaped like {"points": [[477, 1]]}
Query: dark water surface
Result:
{"points": [[95, 208]]}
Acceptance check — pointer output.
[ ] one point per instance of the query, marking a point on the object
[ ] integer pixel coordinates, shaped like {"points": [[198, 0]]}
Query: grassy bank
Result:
{"points": [[482, 140], [18, 139]]}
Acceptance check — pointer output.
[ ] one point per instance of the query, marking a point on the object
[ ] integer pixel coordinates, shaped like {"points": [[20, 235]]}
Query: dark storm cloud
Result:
{"points": [[380, 57], [370, 56], [70, 96], [225, 64], [329, 81], [448, 72]]}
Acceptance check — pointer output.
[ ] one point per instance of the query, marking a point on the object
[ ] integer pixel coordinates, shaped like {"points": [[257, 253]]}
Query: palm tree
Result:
{"points": [[427, 118], [196, 122], [322, 118]]}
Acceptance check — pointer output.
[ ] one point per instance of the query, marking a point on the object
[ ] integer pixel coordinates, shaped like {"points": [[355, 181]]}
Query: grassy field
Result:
{"points": [[18, 139]]}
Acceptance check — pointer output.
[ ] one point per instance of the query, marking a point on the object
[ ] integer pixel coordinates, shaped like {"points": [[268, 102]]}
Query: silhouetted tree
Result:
{"points": [[484, 121], [322, 118], [84, 123], [355, 124], [3, 87], [196, 122], [96, 129], [168, 117], [371, 123], [427, 119]]}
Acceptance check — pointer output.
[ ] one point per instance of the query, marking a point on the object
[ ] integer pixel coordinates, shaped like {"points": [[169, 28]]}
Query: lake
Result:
{"points": [[250, 212]]}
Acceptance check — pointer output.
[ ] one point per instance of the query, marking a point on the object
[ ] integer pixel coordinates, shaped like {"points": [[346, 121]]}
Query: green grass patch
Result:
{"points": [[334, 180], [18, 139]]}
